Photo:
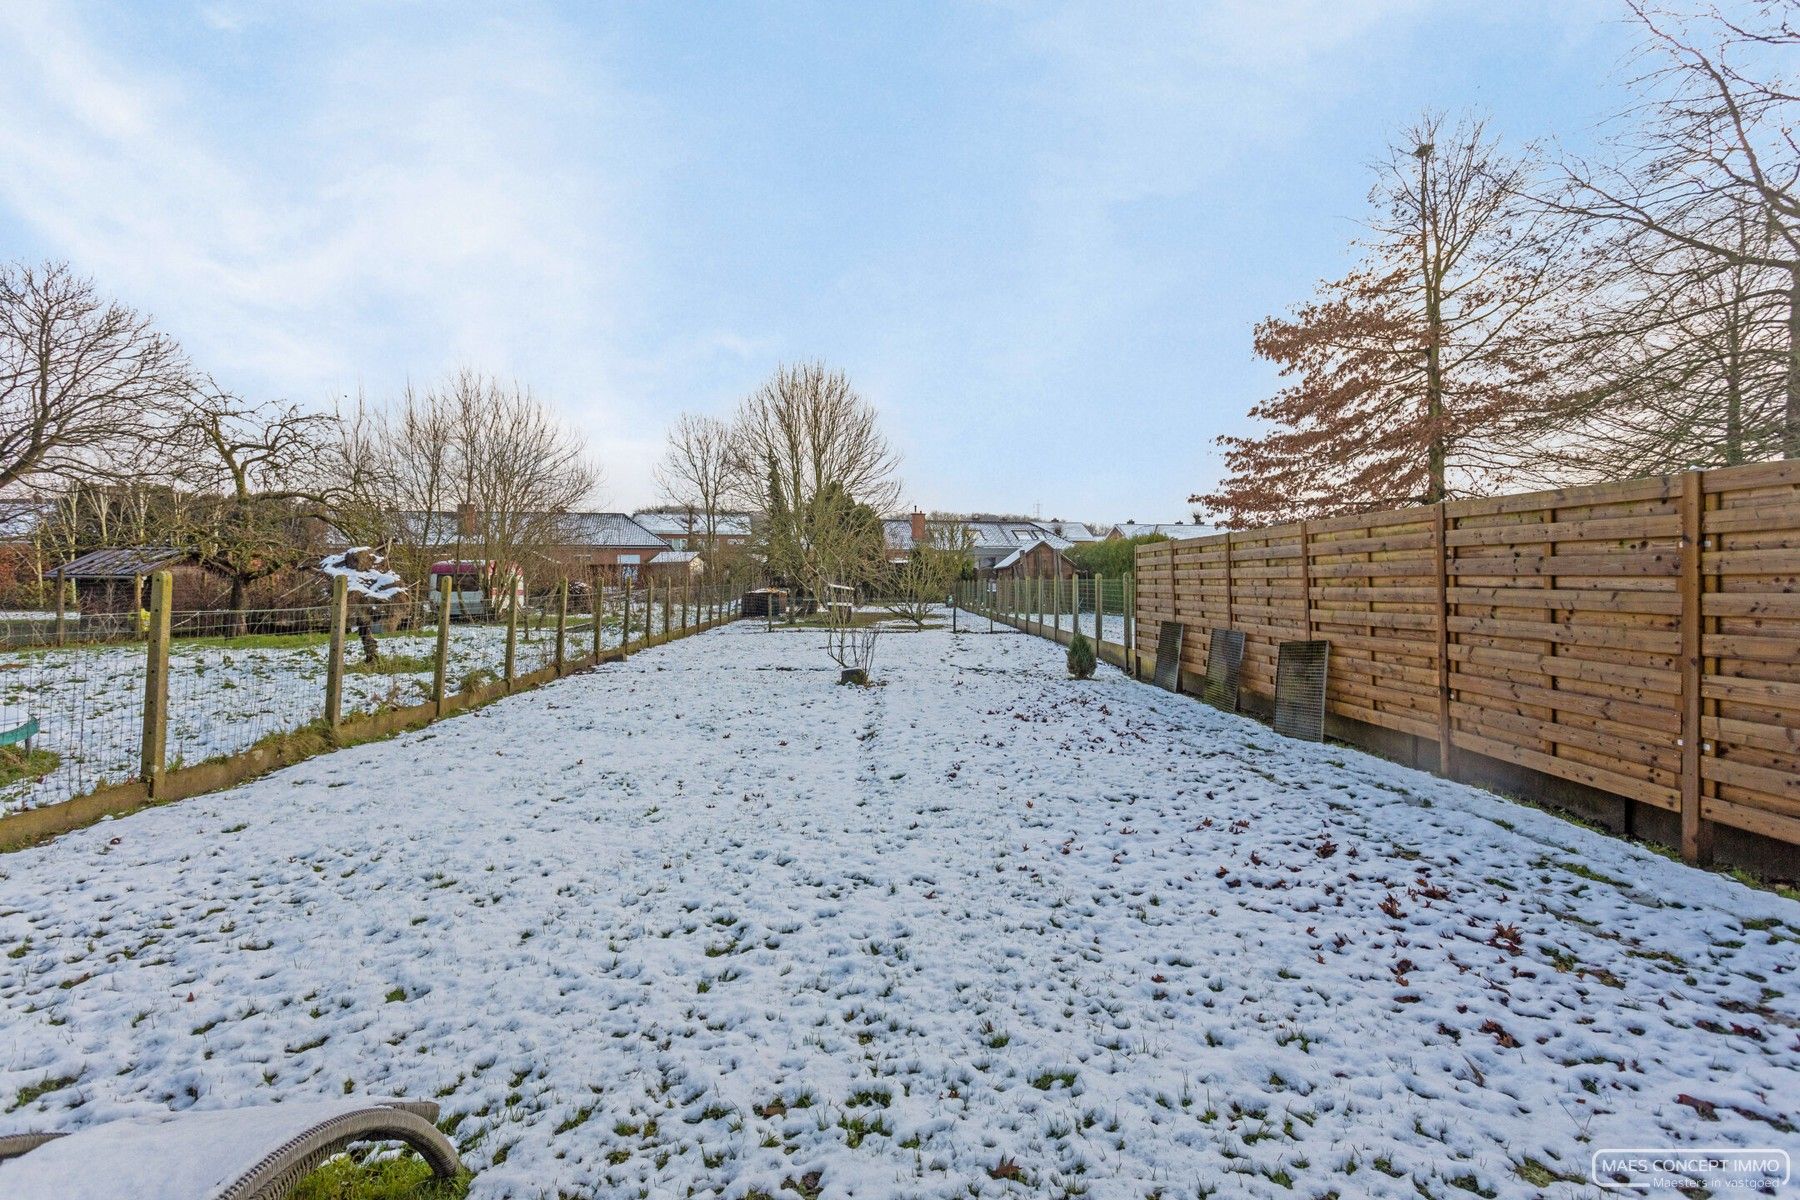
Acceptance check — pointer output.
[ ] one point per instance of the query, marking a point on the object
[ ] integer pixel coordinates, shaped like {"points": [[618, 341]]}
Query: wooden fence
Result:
{"points": [[1638, 638]]}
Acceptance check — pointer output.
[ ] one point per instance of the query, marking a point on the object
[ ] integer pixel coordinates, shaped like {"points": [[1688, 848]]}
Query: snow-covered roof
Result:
{"points": [[1075, 531], [1013, 558], [990, 538], [676, 556], [570, 529], [607, 529], [1174, 530], [685, 524]]}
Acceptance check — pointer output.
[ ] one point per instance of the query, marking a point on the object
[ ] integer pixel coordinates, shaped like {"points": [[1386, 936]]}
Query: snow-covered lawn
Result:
{"points": [[89, 700], [705, 923]]}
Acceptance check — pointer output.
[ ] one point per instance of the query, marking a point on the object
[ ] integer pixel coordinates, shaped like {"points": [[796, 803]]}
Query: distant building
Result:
{"points": [[112, 581], [1174, 531], [990, 541], [576, 542], [1039, 560], [685, 529]]}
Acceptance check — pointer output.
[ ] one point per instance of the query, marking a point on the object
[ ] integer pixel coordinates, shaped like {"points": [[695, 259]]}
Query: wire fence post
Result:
{"points": [[334, 661], [596, 589], [686, 586], [62, 610], [440, 673], [153, 753], [625, 623], [512, 628], [1099, 614], [668, 606], [562, 623]]}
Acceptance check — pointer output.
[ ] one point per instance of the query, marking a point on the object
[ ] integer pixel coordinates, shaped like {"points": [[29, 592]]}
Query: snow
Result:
{"points": [[89, 699], [703, 922]]}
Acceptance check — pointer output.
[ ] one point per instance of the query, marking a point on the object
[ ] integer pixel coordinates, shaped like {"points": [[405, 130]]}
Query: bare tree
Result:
{"points": [[257, 503], [1673, 360], [924, 580], [476, 468], [696, 474], [1717, 154], [808, 453], [84, 381]]}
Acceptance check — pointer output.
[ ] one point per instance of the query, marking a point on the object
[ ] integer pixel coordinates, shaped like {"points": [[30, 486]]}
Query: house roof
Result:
{"points": [[684, 524], [1175, 530], [676, 556], [1013, 558], [991, 539], [121, 562], [572, 529], [608, 529], [1075, 531]]}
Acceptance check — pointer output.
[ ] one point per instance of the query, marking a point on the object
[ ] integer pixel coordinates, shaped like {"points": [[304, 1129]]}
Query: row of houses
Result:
{"points": [[659, 543]]}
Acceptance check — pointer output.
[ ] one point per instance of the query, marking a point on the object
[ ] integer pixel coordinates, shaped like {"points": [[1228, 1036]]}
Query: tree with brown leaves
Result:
{"points": [[1407, 372]]}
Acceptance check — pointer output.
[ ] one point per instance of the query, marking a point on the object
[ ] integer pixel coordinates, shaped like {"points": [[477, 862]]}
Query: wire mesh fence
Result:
{"points": [[237, 679], [1098, 607]]}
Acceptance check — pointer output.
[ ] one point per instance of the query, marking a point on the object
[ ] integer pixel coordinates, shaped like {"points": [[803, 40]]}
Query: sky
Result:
{"points": [[1037, 237]]}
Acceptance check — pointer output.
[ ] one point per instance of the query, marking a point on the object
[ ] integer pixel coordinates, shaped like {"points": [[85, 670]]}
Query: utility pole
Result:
{"points": [[1434, 317]]}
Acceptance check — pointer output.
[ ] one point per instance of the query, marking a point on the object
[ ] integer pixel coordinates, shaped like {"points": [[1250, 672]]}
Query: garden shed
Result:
{"points": [[112, 580]]}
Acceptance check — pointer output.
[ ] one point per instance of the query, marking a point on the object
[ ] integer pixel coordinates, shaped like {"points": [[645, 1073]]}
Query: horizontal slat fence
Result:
{"points": [[1639, 638]]}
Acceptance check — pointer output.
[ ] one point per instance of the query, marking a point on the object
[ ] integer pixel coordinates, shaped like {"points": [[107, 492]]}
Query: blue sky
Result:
{"points": [[1037, 236]]}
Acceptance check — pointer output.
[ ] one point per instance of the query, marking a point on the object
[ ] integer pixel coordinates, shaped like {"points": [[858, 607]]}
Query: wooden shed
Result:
{"points": [[1039, 559], [113, 580]]}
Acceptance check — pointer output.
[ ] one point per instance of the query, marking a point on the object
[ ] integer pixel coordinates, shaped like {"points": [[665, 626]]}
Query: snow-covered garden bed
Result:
{"points": [[706, 923]]}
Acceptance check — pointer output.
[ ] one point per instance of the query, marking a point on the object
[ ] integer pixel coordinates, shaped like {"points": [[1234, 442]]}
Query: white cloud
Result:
{"points": [[438, 192]]}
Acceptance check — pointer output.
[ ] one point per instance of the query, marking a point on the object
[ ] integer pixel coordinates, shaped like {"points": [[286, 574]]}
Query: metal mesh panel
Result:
{"points": [[1168, 656], [1300, 690], [1224, 661]]}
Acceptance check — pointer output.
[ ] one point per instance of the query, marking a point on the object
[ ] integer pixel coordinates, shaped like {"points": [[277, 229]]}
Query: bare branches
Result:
{"points": [[474, 466], [696, 473], [84, 382], [808, 453]]}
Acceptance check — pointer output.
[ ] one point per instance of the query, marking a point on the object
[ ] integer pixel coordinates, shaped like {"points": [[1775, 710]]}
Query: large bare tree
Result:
{"points": [[255, 499], [695, 474], [475, 467], [808, 453], [1710, 166], [85, 382]]}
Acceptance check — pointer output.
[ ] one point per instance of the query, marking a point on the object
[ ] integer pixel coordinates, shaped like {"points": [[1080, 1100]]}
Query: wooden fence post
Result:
{"points": [[440, 676], [62, 610], [668, 606], [512, 629], [684, 604], [334, 660], [596, 588], [1056, 605], [562, 623], [1174, 605], [1696, 830], [1128, 602], [1230, 599], [1440, 525], [153, 754], [1306, 621], [1099, 613]]}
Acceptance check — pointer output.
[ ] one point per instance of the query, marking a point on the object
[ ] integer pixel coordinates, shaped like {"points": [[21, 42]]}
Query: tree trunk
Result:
{"points": [[239, 593], [1790, 430]]}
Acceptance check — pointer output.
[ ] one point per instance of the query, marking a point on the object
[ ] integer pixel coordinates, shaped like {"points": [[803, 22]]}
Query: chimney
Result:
{"points": [[465, 519], [918, 527]]}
